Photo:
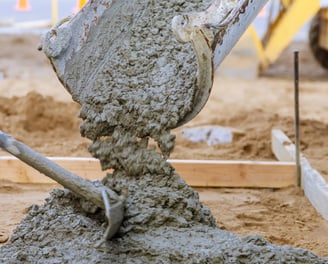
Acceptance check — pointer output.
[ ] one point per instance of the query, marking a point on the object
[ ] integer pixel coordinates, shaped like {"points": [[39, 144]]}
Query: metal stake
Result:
{"points": [[297, 119]]}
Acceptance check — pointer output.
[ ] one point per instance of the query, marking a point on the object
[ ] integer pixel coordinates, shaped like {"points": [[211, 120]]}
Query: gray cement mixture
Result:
{"points": [[134, 85]]}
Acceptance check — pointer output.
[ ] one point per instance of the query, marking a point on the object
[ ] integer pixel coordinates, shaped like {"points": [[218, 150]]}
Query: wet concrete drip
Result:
{"points": [[143, 88]]}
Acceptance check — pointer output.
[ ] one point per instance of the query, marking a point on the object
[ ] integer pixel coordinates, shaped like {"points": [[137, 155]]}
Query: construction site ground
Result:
{"points": [[35, 108]]}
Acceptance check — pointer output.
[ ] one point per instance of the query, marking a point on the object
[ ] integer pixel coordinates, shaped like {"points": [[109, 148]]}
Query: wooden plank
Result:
{"points": [[213, 173], [200, 173], [314, 185], [30, 24], [282, 147], [14, 170]]}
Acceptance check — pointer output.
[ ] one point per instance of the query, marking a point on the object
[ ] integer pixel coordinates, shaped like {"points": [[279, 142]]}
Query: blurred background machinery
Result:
{"points": [[284, 20]]}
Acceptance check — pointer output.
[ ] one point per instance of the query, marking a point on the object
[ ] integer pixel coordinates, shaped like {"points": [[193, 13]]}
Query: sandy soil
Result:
{"points": [[36, 109]]}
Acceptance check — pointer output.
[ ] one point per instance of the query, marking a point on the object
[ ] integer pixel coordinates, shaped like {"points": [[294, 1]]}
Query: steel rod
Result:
{"points": [[297, 118]]}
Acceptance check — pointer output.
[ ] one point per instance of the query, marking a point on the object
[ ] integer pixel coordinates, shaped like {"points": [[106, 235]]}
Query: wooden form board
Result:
{"points": [[215, 173], [314, 185], [30, 24], [197, 173]]}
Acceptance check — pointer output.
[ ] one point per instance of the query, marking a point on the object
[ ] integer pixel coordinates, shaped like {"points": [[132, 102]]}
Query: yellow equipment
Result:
{"points": [[290, 16], [318, 37]]}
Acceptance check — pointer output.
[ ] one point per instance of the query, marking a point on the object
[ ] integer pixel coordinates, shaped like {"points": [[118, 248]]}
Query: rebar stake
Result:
{"points": [[297, 119]]}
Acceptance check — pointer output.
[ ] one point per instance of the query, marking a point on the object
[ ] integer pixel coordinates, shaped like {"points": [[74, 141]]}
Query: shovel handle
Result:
{"points": [[78, 185], [98, 195]]}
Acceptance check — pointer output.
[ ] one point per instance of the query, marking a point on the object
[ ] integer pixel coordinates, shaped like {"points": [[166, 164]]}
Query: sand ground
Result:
{"points": [[36, 109]]}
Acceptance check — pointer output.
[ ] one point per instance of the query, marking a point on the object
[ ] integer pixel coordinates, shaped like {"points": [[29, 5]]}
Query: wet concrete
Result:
{"points": [[134, 84], [61, 232]]}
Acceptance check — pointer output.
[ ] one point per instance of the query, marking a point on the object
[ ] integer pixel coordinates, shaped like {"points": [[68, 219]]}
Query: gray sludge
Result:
{"points": [[145, 85]]}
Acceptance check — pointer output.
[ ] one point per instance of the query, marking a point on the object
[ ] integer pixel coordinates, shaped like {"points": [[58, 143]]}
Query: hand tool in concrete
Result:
{"points": [[95, 192]]}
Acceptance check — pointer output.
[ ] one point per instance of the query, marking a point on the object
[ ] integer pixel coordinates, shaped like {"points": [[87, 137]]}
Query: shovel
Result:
{"points": [[95, 192]]}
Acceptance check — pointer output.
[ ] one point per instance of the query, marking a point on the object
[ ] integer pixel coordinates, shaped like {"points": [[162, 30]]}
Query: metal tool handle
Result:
{"points": [[80, 186]]}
